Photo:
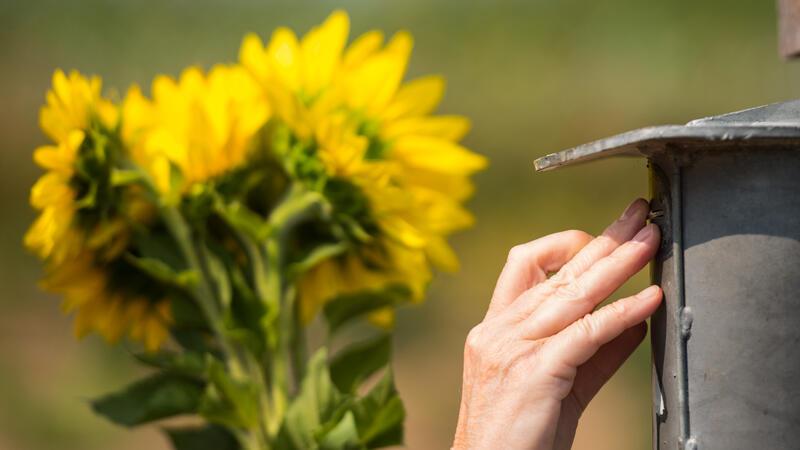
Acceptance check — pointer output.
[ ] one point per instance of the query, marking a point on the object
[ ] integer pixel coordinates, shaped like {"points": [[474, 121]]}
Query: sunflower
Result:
{"points": [[90, 292], [84, 221], [75, 103], [202, 124], [378, 134], [74, 107], [52, 234]]}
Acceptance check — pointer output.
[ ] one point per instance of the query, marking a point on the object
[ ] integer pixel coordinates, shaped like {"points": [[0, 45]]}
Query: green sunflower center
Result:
{"points": [[97, 199]]}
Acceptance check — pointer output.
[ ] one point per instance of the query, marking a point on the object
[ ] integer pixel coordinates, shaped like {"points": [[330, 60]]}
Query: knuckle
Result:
{"points": [[517, 253], [618, 311], [572, 291], [487, 354], [588, 329], [475, 343], [576, 235], [615, 259], [567, 274]]}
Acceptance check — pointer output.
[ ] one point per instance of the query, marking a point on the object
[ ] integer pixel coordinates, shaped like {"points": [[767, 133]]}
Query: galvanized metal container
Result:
{"points": [[726, 340]]}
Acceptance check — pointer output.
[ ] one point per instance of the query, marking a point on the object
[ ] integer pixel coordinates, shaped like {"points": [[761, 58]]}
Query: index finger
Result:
{"points": [[528, 264], [622, 230]]}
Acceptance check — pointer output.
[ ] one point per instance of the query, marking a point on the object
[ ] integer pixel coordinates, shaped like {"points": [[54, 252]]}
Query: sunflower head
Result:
{"points": [[203, 125], [393, 171], [81, 202], [111, 298], [87, 211], [74, 103]]}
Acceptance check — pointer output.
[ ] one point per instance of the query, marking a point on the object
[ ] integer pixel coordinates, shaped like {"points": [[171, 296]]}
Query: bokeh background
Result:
{"points": [[536, 76]]}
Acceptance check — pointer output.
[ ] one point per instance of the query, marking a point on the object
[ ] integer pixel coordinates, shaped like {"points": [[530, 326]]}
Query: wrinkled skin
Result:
{"points": [[542, 352]]}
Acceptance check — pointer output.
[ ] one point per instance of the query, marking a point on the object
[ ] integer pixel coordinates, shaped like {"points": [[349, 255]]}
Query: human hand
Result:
{"points": [[541, 353]]}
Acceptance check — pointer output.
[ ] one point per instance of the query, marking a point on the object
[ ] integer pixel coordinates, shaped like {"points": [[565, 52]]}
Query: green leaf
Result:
{"points": [[189, 326], [298, 205], [89, 199], [196, 340], [380, 415], [346, 308], [233, 403], [122, 177], [176, 182], [190, 364], [243, 220], [357, 362], [247, 310], [156, 397], [316, 403], [186, 313], [161, 246], [210, 437], [218, 274], [344, 435], [162, 272], [316, 256]]}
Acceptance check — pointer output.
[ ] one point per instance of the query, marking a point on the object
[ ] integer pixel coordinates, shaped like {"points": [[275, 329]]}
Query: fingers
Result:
{"points": [[580, 341], [529, 264], [596, 372], [622, 230], [570, 301]]}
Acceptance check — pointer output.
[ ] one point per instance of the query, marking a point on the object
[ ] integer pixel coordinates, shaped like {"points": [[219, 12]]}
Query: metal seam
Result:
{"points": [[676, 194]]}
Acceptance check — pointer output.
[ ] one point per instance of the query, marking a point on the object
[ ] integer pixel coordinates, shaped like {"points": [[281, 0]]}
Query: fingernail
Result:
{"points": [[649, 292], [644, 234], [629, 210]]}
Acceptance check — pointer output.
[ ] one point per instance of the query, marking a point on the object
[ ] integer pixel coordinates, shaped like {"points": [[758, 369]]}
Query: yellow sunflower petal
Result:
{"points": [[437, 155], [155, 333], [451, 128], [253, 57], [284, 56], [111, 323], [383, 318], [321, 51], [441, 254], [443, 214], [415, 98], [363, 47], [458, 187], [373, 84], [52, 189], [49, 157], [402, 231], [320, 284]]}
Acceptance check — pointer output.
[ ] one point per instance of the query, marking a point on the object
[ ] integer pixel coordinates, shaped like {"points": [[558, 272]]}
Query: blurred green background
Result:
{"points": [[536, 76]]}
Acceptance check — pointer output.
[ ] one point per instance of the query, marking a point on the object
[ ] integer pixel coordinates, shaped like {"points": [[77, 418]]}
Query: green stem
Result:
{"points": [[298, 204], [238, 360], [287, 345], [202, 291], [279, 366], [299, 346]]}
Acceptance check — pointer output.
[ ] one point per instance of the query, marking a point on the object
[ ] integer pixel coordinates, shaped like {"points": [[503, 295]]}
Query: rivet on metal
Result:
{"points": [[686, 322]]}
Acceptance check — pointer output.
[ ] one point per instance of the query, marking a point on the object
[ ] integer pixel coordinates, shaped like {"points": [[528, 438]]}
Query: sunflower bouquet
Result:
{"points": [[210, 223]]}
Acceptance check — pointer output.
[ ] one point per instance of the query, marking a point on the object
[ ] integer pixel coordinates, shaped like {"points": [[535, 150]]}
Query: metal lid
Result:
{"points": [[769, 123]]}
